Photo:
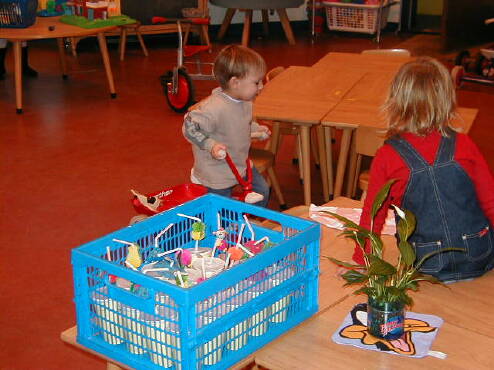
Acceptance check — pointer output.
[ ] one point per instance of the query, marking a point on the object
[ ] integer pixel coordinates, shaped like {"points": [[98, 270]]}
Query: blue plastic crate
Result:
{"points": [[17, 13], [213, 324]]}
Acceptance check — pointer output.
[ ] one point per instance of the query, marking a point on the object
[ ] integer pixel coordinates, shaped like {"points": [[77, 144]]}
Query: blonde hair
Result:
{"points": [[421, 99], [236, 61]]}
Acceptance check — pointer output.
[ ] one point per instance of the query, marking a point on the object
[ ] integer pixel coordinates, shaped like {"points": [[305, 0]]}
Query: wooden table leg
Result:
{"points": [[18, 76], [322, 162], [141, 40], [285, 22], [226, 22], [61, 53], [305, 139], [329, 158], [247, 24], [352, 166], [106, 62], [265, 22], [123, 42], [340, 170]]}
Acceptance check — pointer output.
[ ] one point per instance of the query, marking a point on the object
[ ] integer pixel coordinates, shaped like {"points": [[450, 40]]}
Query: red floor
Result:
{"points": [[68, 162]]}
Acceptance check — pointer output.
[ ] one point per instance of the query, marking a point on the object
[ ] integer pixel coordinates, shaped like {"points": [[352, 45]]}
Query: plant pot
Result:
{"points": [[385, 320]]}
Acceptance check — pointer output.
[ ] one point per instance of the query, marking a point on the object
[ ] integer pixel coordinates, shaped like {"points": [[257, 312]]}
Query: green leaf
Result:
{"points": [[394, 294], [354, 277], [365, 290], [379, 266], [413, 285], [381, 197], [407, 252], [429, 278], [344, 264], [376, 243], [347, 222], [429, 255], [406, 226]]}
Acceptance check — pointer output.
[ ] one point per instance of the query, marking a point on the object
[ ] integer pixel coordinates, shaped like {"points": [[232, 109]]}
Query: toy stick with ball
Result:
{"points": [[198, 229], [198, 233]]}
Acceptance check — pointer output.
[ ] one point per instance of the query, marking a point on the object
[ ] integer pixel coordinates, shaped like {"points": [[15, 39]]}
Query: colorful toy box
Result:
{"points": [[211, 325]]}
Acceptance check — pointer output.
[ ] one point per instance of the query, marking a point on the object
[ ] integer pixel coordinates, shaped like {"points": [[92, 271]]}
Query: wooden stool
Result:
{"points": [[248, 6], [124, 29]]}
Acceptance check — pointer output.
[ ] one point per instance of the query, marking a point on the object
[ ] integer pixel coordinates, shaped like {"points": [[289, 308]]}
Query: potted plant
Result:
{"points": [[385, 284]]}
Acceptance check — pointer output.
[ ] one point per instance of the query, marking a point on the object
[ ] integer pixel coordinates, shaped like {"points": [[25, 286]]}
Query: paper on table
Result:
{"points": [[318, 214]]}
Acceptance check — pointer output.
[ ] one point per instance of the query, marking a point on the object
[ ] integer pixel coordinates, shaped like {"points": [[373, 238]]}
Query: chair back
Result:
{"points": [[390, 52], [368, 140], [274, 72]]}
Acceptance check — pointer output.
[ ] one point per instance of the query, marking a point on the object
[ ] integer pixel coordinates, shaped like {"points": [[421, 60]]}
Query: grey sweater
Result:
{"points": [[219, 119]]}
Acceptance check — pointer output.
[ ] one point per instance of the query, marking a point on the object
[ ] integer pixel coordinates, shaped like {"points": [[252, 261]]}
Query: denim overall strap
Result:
{"points": [[443, 199]]}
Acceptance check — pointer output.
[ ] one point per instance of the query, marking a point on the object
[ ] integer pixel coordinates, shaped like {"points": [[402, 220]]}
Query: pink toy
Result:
{"points": [[185, 257]]}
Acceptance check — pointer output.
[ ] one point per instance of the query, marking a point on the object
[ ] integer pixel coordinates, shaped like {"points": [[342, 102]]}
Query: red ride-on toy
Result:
{"points": [[177, 83], [479, 69], [151, 204]]}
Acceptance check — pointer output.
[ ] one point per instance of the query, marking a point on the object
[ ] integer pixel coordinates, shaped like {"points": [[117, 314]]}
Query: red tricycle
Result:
{"points": [[151, 204], [177, 83]]}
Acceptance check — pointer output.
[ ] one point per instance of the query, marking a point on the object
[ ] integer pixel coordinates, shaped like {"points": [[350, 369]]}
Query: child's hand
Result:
{"points": [[262, 133], [218, 151]]}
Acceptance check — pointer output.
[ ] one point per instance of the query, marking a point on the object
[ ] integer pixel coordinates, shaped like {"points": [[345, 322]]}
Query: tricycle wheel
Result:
{"points": [[181, 98], [457, 75], [482, 65], [462, 58]]}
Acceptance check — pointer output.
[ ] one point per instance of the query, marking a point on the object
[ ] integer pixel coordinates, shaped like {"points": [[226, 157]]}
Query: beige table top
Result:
{"points": [[467, 335], [299, 95], [361, 106], [362, 62], [40, 30]]}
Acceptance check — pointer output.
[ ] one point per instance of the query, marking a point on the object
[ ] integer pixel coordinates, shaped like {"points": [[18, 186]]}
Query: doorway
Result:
{"points": [[422, 16]]}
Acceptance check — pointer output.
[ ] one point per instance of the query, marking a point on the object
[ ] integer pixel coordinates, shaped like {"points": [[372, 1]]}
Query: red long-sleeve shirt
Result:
{"points": [[387, 165]]}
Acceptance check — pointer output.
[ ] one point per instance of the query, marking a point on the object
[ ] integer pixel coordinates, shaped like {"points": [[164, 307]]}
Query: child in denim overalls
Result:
{"points": [[441, 175]]}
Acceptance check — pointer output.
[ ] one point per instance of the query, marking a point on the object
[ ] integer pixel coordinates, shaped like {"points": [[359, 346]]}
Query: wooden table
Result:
{"points": [[467, 335], [302, 96], [361, 106], [341, 90], [48, 28], [355, 111]]}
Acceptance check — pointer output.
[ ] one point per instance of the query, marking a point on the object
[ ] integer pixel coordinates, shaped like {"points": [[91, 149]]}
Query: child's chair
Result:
{"points": [[396, 52], [367, 141], [286, 128], [264, 160]]}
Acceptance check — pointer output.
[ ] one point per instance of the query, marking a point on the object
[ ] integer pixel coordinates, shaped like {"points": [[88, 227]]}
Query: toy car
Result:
{"points": [[479, 69]]}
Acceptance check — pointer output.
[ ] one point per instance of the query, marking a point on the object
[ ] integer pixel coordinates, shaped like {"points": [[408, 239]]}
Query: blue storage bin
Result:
{"points": [[17, 13], [211, 325]]}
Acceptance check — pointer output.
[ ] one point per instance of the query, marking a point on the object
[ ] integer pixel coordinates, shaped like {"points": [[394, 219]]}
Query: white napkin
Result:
{"points": [[317, 214]]}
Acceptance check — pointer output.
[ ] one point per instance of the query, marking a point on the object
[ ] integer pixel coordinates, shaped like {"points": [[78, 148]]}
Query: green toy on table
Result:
{"points": [[83, 22]]}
